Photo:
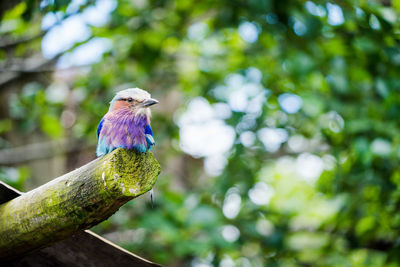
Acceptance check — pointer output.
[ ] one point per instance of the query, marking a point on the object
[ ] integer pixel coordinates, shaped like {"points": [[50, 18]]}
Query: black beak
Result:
{"points": [[149, 102]]}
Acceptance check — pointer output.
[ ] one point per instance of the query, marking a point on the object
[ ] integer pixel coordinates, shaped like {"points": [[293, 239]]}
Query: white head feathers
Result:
{"points": [[136, 93]]}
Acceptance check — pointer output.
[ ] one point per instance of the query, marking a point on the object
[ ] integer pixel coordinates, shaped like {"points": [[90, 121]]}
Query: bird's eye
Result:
{"points": [[130, 99]]}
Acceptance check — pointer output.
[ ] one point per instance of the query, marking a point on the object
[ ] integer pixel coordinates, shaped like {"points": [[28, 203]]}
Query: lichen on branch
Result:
{"points": [[75, 201]]}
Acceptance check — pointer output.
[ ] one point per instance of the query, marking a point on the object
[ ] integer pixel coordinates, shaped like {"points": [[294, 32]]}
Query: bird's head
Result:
{"points": [[135, 99]]}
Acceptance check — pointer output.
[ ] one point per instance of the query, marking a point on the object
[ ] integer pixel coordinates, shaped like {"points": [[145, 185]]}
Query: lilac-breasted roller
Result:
{"points": [[127, 123]]}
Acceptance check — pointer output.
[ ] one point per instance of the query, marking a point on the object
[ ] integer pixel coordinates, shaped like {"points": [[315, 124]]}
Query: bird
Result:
{"points": [[127, 123]]}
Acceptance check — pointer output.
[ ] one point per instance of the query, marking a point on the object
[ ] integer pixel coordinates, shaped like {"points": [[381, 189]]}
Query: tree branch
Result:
{"points": [[43, 150], [6, 77], [5, 44], [75, 201]]}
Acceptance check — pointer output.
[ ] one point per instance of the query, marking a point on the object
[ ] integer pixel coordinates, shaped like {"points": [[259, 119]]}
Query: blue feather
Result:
{"points": [[102, 148], [149, 136], [148, 130], [99, 128]]}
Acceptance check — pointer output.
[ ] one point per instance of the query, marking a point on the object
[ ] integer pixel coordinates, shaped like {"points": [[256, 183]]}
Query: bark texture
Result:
{"points": [[75, 201]]}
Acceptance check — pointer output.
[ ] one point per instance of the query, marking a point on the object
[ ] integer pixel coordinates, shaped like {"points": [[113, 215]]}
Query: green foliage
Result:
{"points": [[14, 176], [344, 69]]}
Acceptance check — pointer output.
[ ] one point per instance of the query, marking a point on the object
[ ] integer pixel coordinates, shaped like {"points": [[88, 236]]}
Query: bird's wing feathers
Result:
{"points": [[149, 135], [148, 130], [99, 127]]}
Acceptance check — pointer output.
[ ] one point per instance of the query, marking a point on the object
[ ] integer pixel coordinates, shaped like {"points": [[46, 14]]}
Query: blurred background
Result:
{"points": [[278, 128]]}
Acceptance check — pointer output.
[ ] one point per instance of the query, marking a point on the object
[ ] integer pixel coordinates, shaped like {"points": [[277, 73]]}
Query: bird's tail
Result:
{"points": [[151, 197]]}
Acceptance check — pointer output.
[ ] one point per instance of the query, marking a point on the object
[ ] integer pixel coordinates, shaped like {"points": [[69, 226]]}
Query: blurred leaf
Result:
{"points": [[51, 125]]}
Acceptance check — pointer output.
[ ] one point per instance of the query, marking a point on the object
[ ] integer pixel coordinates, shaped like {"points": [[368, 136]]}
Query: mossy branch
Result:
{"points": [[75, 201]]}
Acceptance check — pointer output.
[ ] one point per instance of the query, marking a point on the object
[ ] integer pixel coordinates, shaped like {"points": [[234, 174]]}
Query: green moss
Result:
{"points": [[75, 201], [129, 173]]}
